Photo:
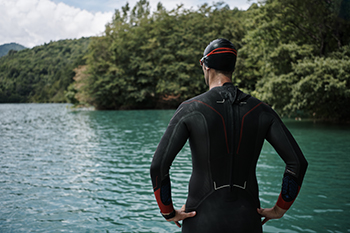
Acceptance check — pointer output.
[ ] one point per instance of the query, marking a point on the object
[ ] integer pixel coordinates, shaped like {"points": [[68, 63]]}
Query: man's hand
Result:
{"points": [[181, 215], [271, 213]]}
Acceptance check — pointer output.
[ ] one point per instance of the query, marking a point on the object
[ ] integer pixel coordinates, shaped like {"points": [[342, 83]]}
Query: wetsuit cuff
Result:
{"points": [[283, 204], [169, 216]]}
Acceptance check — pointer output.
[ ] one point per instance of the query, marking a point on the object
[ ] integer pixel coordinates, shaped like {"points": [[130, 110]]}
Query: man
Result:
{"points": [[226, 129]]}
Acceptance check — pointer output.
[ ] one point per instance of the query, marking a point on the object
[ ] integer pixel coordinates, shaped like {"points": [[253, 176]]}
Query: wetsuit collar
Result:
{"points": [[228, 84]]}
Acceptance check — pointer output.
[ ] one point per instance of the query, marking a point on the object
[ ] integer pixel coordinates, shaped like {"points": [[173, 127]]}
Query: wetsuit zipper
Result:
{"points": [[231, 117], [232, 147], [236, 119]]}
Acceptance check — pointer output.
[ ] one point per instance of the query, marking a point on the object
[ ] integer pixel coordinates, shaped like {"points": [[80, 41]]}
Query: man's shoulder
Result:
{"points": [[204, 97], [190, 106]]}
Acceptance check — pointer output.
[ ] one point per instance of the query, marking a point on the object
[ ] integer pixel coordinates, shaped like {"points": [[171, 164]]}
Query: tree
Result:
{"points": [[151, 61], [41, 74], [288, 53]]}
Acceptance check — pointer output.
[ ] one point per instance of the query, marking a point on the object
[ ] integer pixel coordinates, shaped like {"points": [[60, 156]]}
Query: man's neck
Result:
{"points": [[218, 81]]}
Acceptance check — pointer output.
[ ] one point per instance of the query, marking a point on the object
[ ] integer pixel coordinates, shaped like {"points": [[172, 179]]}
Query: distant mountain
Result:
{"points": [[5, 48], [41, 74]]}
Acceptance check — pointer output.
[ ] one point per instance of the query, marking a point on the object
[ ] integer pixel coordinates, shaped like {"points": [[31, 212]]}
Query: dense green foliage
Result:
{"points": [[41, 74], [296, 57], [292, 54], [148, 61], [5, 48]]}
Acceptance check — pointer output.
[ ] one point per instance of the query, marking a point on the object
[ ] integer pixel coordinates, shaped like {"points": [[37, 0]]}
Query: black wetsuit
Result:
{"points": [[226, 129]]}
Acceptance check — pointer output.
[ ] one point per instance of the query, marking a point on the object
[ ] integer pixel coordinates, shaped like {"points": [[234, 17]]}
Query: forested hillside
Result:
{"points": [[292, 54], [41, 74], [152, 60], [5, 48]]}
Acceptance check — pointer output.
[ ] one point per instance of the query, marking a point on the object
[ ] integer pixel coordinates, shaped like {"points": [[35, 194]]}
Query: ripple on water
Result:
{"points": [[77, 171]]}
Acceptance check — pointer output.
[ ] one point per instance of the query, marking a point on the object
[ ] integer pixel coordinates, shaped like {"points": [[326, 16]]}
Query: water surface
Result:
{"points": [[63, 170]]}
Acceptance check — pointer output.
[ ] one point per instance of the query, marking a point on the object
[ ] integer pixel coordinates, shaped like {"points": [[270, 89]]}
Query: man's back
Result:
{"points": [[226, 130]]}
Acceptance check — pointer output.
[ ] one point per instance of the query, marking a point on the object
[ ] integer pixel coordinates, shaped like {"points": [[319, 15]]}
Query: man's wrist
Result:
{"points": [[279, 211], [170, 215]]}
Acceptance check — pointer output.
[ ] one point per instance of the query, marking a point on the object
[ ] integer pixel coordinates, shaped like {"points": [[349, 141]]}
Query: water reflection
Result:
{"points": [[322, 203]]}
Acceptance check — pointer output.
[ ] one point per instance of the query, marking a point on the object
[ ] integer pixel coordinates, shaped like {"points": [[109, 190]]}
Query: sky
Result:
{"points": [[35, 22]]}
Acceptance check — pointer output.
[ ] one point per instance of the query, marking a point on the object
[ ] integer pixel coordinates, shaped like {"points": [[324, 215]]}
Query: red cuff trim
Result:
{"points": [[283, 204], [165, 209]]}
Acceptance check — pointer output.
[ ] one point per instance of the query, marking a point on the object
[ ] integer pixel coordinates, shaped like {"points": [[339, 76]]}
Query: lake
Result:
{"points": [[66, 170]]}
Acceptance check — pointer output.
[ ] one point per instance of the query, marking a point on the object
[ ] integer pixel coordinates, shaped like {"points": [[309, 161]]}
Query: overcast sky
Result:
{"points": [[35, 22]]}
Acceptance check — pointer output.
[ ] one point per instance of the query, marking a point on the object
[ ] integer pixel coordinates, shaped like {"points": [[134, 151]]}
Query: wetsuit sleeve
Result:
{"points": [[286, 146], [171, 143]]}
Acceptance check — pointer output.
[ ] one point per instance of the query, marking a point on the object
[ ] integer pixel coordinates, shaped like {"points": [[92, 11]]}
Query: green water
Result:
{"points": [[88, 171]]}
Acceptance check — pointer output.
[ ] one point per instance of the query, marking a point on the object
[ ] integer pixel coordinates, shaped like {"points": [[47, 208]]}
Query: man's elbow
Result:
{"points": [[154, 169]]}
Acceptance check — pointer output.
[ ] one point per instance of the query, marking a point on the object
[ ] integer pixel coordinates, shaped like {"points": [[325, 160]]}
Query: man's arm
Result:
{"points": [[171, 143], [286, 146]]}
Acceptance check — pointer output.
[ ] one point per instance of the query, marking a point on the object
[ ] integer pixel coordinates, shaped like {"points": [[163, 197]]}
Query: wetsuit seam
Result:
{"points": [[167, 147], [208, 157], [201, 201], [242, 125], [217, 112]]}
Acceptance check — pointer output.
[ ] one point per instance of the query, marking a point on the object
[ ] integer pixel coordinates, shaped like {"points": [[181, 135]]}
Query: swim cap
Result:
{"points": [[220, 54]]}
